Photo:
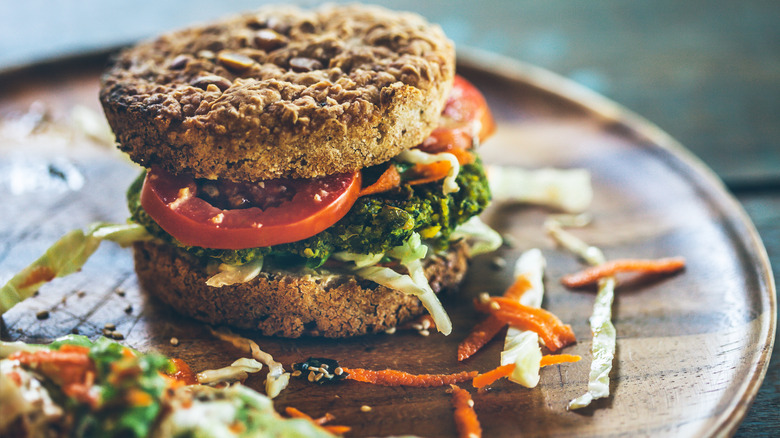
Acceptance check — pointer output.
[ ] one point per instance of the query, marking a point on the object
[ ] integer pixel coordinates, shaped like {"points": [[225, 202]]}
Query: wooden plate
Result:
{"points": [[692, 348]]}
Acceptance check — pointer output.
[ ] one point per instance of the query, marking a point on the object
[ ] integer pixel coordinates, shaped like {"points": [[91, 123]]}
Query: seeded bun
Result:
{"points": [[281, 92], [286, 304]]}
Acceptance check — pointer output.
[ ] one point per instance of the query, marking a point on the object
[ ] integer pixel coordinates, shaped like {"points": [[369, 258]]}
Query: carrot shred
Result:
{"points": [[595, 273], [464, 157], [401, 378], [482, 333], [491, 376], [554, 333], [70, 366], [465, 417], [554, 359], [337, 430], [39, 274], [183, 372], [486, 330], [425, 173], [389, 180]]}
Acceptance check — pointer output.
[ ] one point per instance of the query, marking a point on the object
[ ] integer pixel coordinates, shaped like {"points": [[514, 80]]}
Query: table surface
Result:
{"points": [[707, 72]]}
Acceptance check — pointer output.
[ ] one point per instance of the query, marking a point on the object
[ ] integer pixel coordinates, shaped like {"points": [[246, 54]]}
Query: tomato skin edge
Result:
{"points": [[178, 220]]}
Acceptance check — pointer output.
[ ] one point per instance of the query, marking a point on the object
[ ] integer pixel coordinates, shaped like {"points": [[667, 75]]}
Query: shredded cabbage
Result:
{"points": [[569, 190], [232, 274], [417, 156], [521, 347], [478, 235], [277, 379], [360, 260], [604, 343], [64, 257], [413, 284], [238, 370]]}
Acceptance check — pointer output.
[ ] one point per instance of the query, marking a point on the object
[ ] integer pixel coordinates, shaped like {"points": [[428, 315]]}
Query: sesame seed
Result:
{"points": [[424, 332], [390, 331], [366, 408], [339, 371], [118, 336], [494, 305], [43, 314], [417, 326], [107, 332], [109, 326], [296, 373], [129, 309], [426, 323], [120, 292], [484, 297], [174, 341], [311, 377], [470, 403], [81, 294]]}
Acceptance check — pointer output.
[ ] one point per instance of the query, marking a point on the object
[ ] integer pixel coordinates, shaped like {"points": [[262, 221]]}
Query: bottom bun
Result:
{"points": [[288, 304]]}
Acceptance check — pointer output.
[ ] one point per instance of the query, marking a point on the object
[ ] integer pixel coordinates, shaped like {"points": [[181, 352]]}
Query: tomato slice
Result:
{"points": [[465, 117], [231, 215]]}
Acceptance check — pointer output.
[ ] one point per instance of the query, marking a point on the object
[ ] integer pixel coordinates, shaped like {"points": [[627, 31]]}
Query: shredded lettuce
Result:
{"points": [[604, 343], [478, 235], [238, 370], [360, 260], [417, 156], [569, 190], [230, 274], [521, 347], [65, 257], [277, 379]]}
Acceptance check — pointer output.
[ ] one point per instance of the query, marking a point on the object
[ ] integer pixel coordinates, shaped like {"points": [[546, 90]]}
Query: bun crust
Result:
{"points": [[281, 92], [286, 304]]}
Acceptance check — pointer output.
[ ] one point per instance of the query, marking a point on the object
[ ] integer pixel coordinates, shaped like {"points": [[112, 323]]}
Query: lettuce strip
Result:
{"points": [[604, 336], [64, 257]]}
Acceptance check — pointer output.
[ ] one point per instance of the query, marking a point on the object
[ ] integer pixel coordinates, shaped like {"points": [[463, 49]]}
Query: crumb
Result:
{"points": [[81, 294], [129, 309], [174, 341]]}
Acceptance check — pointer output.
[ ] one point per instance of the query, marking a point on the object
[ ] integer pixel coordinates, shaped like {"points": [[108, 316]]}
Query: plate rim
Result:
{"points": [[596, 104]]}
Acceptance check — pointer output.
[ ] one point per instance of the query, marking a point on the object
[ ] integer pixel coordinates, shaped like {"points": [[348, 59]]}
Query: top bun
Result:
{"points": [[281, 92]]}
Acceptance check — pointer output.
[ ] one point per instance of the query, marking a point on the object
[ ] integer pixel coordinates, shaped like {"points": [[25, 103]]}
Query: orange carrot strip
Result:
{"points": [[39, 274], [486, 330], [491, 376], [337, 430], [521, 285], [595, 273], [465, 417], [183, 372], [482, 333], [425, 173], [463, 156], [554, 333], [554, 359], [389, 180], [400, 378]]}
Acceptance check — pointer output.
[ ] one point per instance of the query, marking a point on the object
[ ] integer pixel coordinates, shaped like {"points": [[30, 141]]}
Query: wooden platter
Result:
{"points": [[692, 349]]}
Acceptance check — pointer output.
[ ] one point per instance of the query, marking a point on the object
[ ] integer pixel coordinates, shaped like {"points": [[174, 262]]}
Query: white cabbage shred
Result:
{"points": [[521, 347], [237, 371], [277, 379], [603, 347], [66, 256], [478, 235], [565, 189], [232, 274]]}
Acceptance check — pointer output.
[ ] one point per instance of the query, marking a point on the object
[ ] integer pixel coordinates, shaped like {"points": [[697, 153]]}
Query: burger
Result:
{"points": [[307, 172]]}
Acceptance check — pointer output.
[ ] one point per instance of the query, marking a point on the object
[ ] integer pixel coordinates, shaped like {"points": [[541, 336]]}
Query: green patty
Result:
{"points": [[373, 225]]}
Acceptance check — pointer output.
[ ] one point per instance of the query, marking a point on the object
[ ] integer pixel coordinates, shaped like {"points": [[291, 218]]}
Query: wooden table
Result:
{"points": [[706, 72]]}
